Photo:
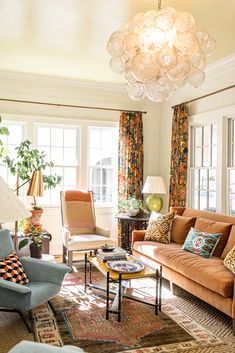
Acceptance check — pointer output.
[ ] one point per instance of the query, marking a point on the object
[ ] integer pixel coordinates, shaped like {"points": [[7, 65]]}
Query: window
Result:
{"points": [[231, 166], [60, 144], [16, 134], [203, 161], [103, 150]]}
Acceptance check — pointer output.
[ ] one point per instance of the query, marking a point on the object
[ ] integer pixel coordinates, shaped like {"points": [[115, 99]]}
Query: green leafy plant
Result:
{"points": [[34, 236], [27, 161], [131, 203], [3, 131]]}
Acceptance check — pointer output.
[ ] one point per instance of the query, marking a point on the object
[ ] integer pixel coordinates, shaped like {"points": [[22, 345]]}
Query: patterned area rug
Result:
{"points": [[81, 322]]}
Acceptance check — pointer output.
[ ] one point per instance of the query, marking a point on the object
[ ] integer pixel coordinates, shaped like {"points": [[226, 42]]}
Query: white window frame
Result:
{"points": [[208, 118]]}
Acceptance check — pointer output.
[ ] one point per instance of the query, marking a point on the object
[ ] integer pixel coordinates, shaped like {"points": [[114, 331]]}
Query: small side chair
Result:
{"points": [[45, 281], [80, 232]]}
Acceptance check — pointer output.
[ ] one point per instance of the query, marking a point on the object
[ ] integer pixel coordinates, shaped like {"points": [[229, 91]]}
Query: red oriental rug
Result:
{"points": [[80, 321]]}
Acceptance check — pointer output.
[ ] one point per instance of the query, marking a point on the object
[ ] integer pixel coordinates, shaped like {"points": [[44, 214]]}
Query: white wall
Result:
{"points": [[219, 75], [67, 91]]}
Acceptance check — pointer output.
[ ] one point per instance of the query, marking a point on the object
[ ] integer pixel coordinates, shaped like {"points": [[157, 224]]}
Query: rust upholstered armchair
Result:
{"points": [[79, 225]]}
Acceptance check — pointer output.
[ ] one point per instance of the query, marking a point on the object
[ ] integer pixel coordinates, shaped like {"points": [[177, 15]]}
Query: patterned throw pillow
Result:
{"points": [[229, 261], [11, 269], [201, 243], [159, 228]]}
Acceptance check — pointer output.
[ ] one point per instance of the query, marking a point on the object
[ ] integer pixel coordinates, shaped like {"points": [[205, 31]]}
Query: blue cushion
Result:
{"points": [[41, 292], [6, 243]]}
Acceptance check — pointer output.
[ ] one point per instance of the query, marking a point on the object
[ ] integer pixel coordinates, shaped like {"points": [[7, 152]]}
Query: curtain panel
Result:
{"points": [[179, 157], [130, 155]]}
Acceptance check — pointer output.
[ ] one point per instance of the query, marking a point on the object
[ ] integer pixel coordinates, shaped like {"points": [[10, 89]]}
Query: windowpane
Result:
{"points": [[232, 180], [214, 156], [44, 136], [107, 176], [96, 176], [57, 155], [214, 134], [15, 134], [70, 156], [232, 204], [57, 137], [195, 199], [195, 179], [95, 138], [212, 179], [206, 156], [198, 157], [212, 201], [95, 156], [198, 136], [207, 135], [70, 176], [203, 179], [70, 138], [203, 200]]}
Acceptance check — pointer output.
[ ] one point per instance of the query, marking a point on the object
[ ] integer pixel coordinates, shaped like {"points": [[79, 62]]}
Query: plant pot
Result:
{"points": [[35, 251], [34, 220], [132, 213]]}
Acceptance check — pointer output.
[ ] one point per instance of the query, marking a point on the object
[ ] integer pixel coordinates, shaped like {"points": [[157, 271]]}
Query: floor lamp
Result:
{"points": [[11, 208]]}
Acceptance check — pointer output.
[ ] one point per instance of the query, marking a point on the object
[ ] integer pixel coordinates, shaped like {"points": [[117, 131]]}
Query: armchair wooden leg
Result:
{"points": [[8, 310], [64, 254], [233, 327], [70, 259], [172, 287]]}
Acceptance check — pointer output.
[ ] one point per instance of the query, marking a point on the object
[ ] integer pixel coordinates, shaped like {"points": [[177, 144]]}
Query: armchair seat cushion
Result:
{"points": [[87, 242], [42, 292]]}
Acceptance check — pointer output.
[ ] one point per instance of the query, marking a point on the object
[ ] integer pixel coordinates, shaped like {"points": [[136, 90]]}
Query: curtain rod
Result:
{"points": [[205, 96], [71, 105]]}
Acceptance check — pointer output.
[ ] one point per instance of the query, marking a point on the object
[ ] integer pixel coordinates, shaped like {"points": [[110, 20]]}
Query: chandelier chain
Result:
{"points": [[159, 5]]}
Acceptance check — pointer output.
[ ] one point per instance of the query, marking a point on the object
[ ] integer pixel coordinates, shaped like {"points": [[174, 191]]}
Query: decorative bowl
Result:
{"points": [[132, 213], [107, 248]]}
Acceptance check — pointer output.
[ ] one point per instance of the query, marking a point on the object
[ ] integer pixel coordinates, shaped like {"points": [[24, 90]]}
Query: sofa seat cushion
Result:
{"points": [[209, 273]]}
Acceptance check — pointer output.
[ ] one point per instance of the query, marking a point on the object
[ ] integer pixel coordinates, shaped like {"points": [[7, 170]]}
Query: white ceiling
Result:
{"points": [[68, 37]]}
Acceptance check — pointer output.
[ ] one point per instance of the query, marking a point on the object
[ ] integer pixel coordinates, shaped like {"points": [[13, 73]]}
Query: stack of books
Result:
{"points": [[116, 254]]}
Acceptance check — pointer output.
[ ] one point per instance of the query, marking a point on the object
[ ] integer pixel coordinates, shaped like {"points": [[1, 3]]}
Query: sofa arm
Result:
{"points": [[40, 271], [103, 231], [14, 287], [178, 210], [138, 235]]}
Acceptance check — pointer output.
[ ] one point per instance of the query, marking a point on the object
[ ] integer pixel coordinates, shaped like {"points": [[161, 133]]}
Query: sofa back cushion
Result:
{"points": [[180, 228], [213, 227], [230, 244], [213, 216]]}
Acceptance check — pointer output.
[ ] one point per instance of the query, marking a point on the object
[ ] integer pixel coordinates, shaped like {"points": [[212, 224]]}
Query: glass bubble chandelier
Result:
{"points": [[160, 51]]}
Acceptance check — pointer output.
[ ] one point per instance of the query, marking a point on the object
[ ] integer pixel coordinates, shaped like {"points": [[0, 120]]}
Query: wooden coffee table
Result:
{"points": [[121, 279]]}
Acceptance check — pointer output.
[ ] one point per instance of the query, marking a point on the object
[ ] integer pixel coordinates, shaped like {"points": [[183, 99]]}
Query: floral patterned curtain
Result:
{"points": [[179, 157], [130, 155]]}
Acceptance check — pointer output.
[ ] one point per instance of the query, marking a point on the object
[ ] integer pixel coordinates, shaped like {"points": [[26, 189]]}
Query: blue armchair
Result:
{"points": [[45, 281], [33, 347]]}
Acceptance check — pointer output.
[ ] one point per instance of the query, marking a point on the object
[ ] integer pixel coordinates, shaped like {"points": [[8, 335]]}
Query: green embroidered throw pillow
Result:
{"points": [[201, 243]]}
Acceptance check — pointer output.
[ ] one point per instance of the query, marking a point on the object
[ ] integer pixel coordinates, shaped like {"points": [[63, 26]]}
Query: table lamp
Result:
{"points": [[154, 185], [11, 208]]}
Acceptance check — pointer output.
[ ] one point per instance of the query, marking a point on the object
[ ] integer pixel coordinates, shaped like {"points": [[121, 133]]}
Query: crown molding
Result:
{"points": [[220, 67], [110, 87]]}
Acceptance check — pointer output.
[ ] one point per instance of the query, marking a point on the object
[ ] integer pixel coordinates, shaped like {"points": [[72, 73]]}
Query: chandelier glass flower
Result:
{"points": [[160, 51]]}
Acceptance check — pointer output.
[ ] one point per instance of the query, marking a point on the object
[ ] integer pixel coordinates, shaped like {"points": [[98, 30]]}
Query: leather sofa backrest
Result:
{"points": [[213, 216]]}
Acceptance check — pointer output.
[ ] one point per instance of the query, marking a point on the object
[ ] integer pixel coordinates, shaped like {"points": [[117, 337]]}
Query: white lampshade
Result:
{"points": [[154, 185], [11, 208]]}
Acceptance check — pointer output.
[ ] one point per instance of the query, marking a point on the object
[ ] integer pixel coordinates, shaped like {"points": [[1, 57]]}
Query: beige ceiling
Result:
{"points": [[68, 37]]}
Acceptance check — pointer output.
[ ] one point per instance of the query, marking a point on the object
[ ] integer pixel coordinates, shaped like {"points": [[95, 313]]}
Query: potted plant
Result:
{"points": [[131, 206], [34, 238], [26, 162]]}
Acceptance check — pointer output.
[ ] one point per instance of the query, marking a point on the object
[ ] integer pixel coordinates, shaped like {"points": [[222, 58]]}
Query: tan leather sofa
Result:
{"points": [[207, 279]]}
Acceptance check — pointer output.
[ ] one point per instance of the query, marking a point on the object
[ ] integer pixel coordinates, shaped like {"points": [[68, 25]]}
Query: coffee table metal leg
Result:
{"points": [[85, 271], [157, 292], [119, 296], [107, 296], [160, 289], [90, 279]]}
